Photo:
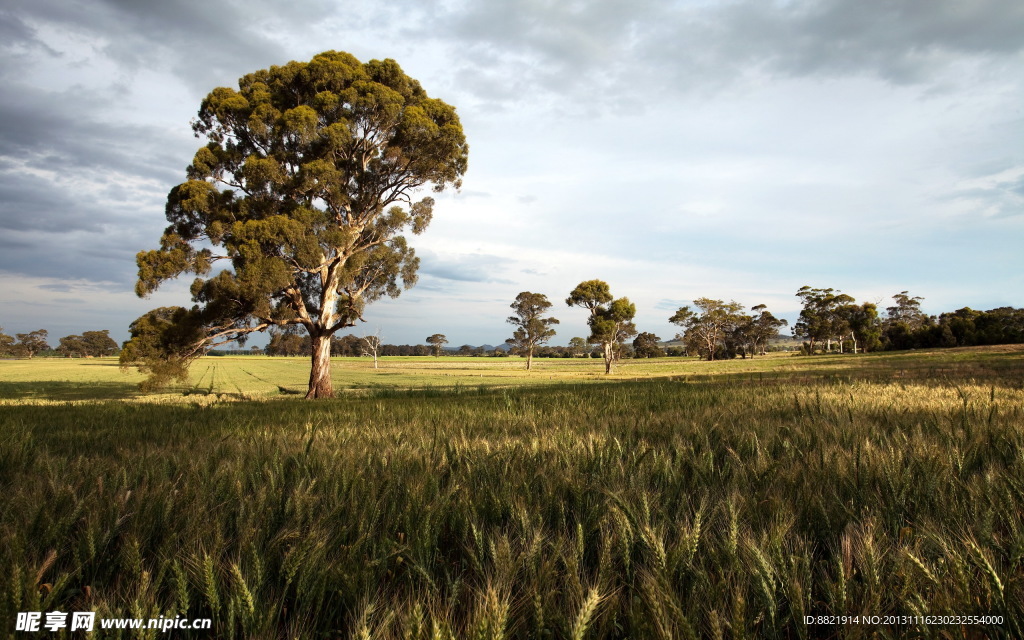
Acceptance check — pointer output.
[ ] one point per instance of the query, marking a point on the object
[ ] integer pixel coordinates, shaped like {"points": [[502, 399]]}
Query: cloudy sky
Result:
{"points": [[727, 149]]}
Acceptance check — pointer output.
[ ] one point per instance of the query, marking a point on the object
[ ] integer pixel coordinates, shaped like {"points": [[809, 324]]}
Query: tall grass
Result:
{"points": [[632, 510]]}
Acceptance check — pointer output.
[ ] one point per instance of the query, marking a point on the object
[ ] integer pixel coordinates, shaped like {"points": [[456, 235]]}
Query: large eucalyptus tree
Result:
{"points": [[311, 172]]}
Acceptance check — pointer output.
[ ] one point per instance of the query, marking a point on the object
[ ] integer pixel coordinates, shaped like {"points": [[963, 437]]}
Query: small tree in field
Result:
{"points": [[370, 346], [310, 174], [610, 321], [531, 329], [437, 341]]}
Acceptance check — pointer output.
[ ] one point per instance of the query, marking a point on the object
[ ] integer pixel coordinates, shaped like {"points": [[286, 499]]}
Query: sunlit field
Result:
{"points": [[263, 377], [468, 498]]}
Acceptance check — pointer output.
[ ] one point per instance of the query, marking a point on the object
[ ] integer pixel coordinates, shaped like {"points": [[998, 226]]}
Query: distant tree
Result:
{"points": [[371, 346], [646, 346], [709, 330], [29, 344], [752, 332], [904, 321], [577, 346], [310, 174], [254, 350], [466, 350], [6, 344], [764, 327], [962, 325], [863, 324], [531, 328], [290, 340], [347, 346], [820, 320], [1004, 325], [92, 344], [437, 342], [71, 347], [610, 321], [906, 310], [99, 343]]}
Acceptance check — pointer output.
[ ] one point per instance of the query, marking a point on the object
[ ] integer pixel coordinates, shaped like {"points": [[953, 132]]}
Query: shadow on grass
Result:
{"points": [[66, 390], [1002, 374]]}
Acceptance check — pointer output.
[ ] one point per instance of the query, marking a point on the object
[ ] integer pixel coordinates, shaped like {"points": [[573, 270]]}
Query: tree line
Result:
{"points": [[91, 344], [832, 321]]}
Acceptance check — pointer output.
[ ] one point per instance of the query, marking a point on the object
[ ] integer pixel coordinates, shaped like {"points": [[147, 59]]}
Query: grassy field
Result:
{"points": [[465, 498], [43, 380]]}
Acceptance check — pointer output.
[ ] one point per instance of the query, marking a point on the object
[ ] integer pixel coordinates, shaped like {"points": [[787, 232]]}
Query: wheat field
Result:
{"points": [[677, 503]]}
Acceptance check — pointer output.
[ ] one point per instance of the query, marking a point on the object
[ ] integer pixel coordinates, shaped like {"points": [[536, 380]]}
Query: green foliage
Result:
{"points": [[577, 345], [822, 319], [29, 344], [610, 321], [6, 344], [162, 346], [531, 328], [712, 332], [311, 172], [646, 346], [23, 345], [754, 331], [91, 344], [590, 294], [865, 328], [437, 341]]}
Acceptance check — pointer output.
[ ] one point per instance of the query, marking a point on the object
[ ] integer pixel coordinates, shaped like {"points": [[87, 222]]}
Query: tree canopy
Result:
{"points": [[822, 318], [531, 328], [6, 343], [708, 331], [437, 341], [646, 345], [91, 344], [311, 172], [610, 321]]}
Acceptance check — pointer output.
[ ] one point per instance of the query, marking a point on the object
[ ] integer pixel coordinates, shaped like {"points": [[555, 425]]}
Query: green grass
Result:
{"points": [[44, 380], [704, 500]]}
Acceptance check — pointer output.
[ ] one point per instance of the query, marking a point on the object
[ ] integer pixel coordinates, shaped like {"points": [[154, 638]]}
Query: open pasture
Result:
{"points": [[262, 377], [687, 500]]}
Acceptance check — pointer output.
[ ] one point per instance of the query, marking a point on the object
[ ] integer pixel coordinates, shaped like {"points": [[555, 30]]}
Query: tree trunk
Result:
{"points": [[320, 374], [529, 358], [609, 356]]}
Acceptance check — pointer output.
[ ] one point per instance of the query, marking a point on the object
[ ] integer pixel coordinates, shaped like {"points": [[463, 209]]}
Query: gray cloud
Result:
{"points": [[67, 131], [204, 45], [610, 52], [463, 268], [15, 34]]}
